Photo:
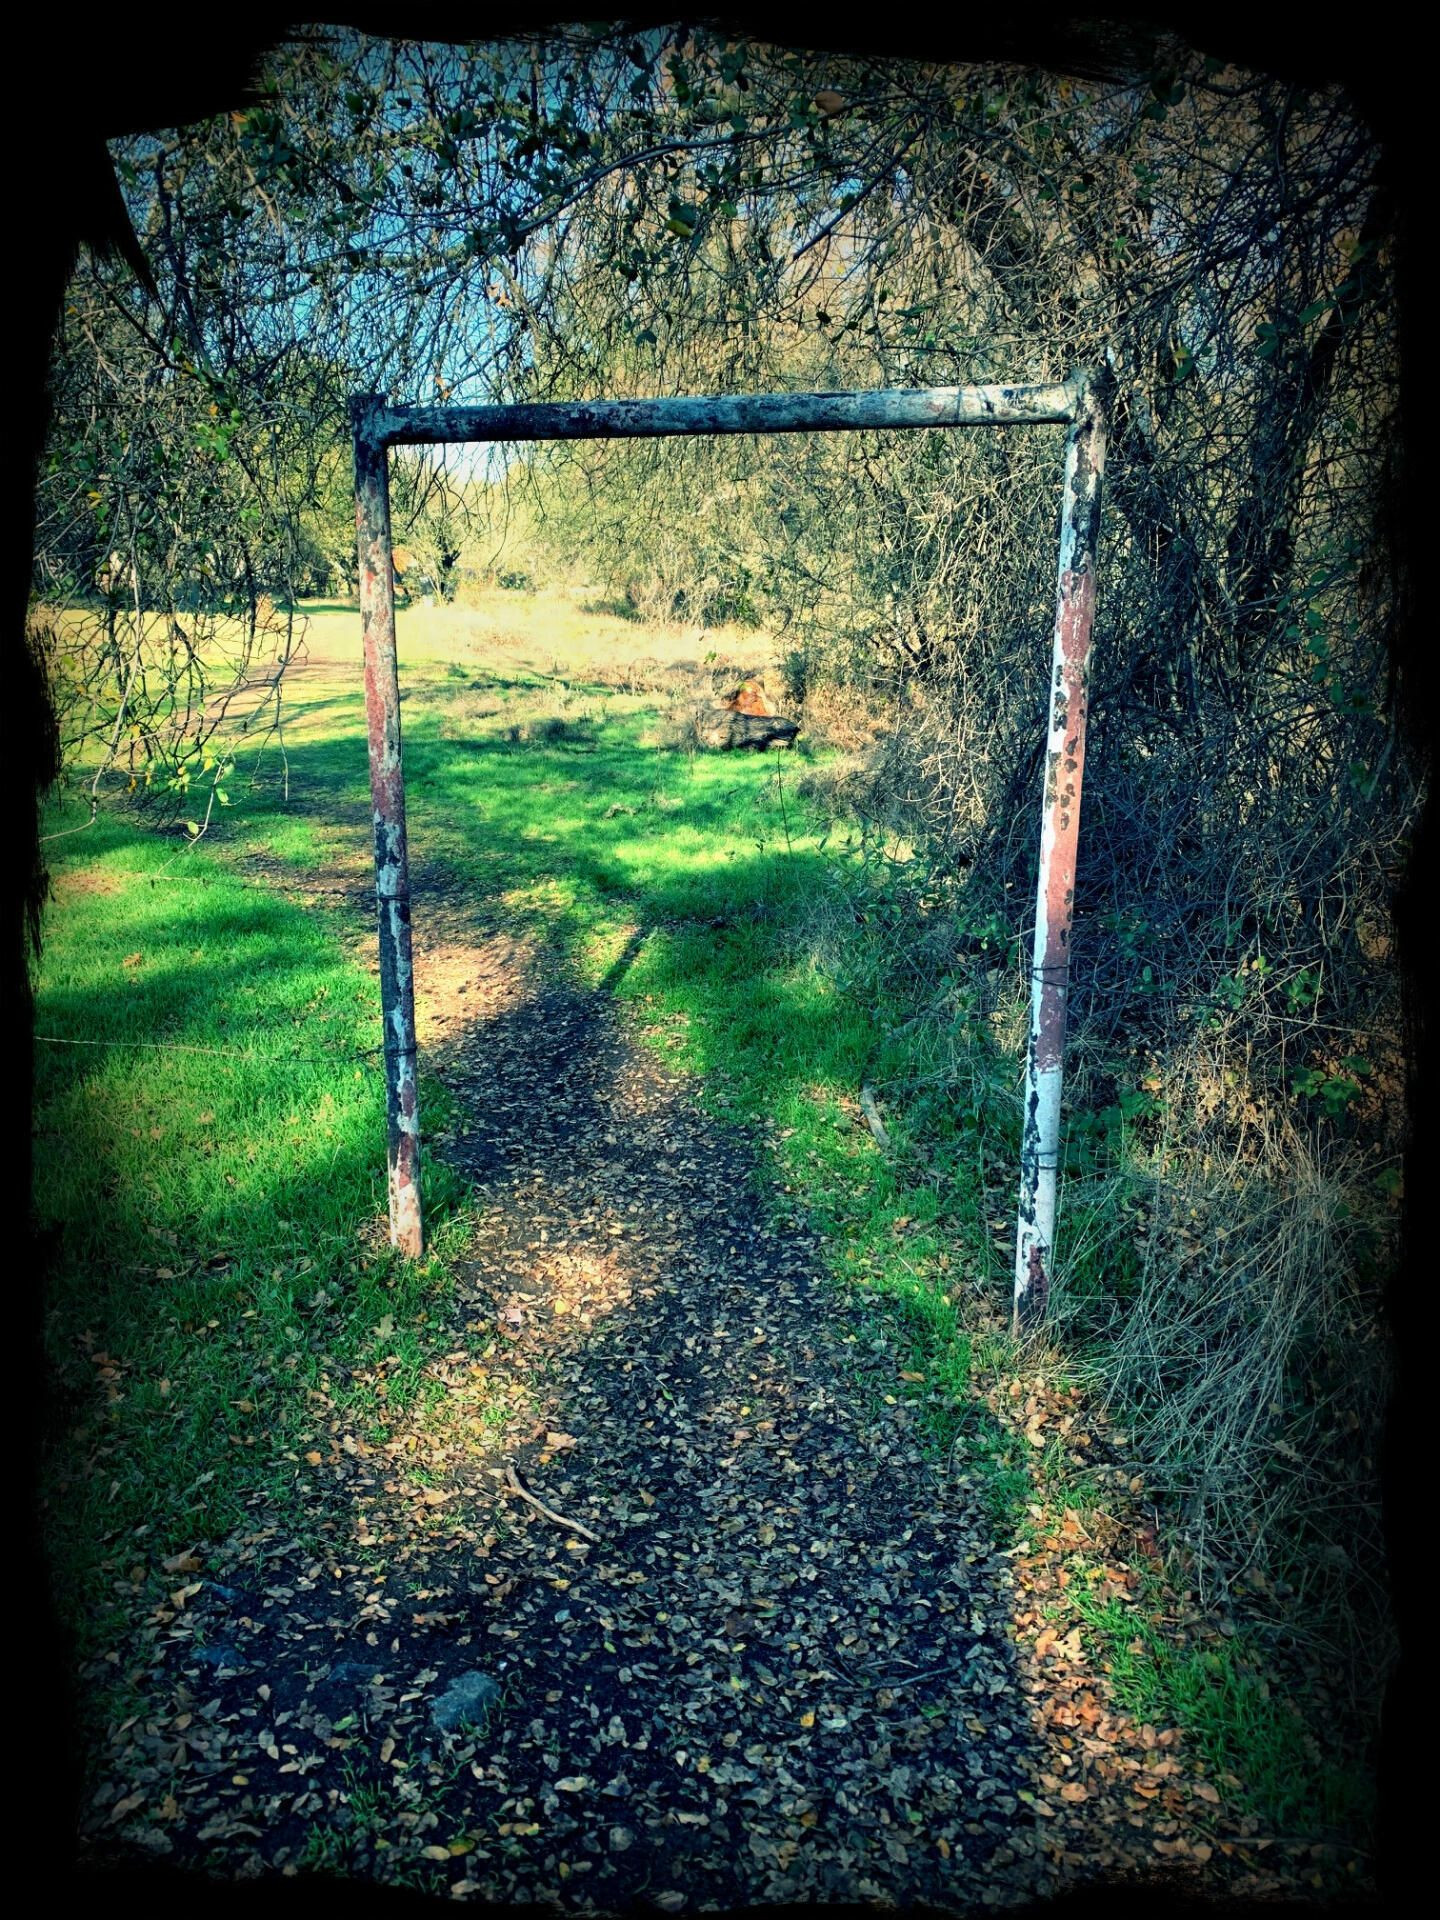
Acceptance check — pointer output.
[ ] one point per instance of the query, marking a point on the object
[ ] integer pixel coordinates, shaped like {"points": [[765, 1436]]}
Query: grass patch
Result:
{"points": [[209, 1124], [211, 1151], [213, 1207], [1234, 1719]]}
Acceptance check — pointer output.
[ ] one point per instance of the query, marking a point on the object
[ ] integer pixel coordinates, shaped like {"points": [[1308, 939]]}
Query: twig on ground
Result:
{"points": [[512, 1481], [872, 1117]]}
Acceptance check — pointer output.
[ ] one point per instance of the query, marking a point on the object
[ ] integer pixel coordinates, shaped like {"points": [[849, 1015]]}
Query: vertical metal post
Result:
{"points": [[1059, 836], [387, 791]]}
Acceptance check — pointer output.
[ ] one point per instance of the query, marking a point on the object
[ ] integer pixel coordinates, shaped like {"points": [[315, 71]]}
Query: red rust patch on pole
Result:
{"points": [[1073, 626], [1059, 847]]}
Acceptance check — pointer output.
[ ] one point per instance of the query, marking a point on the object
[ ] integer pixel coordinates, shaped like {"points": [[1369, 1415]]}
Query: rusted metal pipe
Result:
{"points": [[1059, 839], [1079, 402], [994, 406], [387, 792]]}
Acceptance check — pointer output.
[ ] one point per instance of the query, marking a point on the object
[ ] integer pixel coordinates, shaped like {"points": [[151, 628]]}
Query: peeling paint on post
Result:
{"points": [[1059, 839], [387, 791], [845, 411]]}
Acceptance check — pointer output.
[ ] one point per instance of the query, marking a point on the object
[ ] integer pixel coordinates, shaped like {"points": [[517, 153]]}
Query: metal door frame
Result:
{"points": [[1079, 403]]}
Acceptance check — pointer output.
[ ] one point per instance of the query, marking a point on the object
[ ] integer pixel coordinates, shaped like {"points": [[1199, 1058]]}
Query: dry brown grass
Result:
{"points": [[845, 717], [557, 630], [1246, 1343]]}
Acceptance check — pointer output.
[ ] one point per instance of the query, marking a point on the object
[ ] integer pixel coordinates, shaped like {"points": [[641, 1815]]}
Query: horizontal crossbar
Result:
{"points": [[1058, 403]]}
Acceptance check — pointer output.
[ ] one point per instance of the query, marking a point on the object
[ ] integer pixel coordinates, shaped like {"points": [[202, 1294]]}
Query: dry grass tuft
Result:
{"points": [[1223, 1283]]}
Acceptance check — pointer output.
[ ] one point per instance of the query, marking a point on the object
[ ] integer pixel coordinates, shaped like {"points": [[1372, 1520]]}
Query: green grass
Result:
{"points": [[1233, 1719], [694, 888], [207, 1120]]}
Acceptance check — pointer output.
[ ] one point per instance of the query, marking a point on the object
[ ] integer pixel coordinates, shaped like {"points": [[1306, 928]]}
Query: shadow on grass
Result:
{"points": [[683, 883], [689, 885], [209, 1153], [205, 1196]]}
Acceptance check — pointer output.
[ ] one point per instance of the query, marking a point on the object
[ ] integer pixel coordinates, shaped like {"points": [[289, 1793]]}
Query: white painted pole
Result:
{"points": [[1079, 402], [1059, 842]]}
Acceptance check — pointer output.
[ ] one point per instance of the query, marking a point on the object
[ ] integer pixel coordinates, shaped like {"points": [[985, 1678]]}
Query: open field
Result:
{"points": [[535, 632], [651, 985]]}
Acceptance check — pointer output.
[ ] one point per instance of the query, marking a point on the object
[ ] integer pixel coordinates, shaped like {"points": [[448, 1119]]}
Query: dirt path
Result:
{"points": [[760, 1650]]}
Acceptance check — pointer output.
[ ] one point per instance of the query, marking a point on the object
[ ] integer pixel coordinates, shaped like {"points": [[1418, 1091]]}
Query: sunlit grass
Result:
{"points": [[209, 1151], [214, 1179]]}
